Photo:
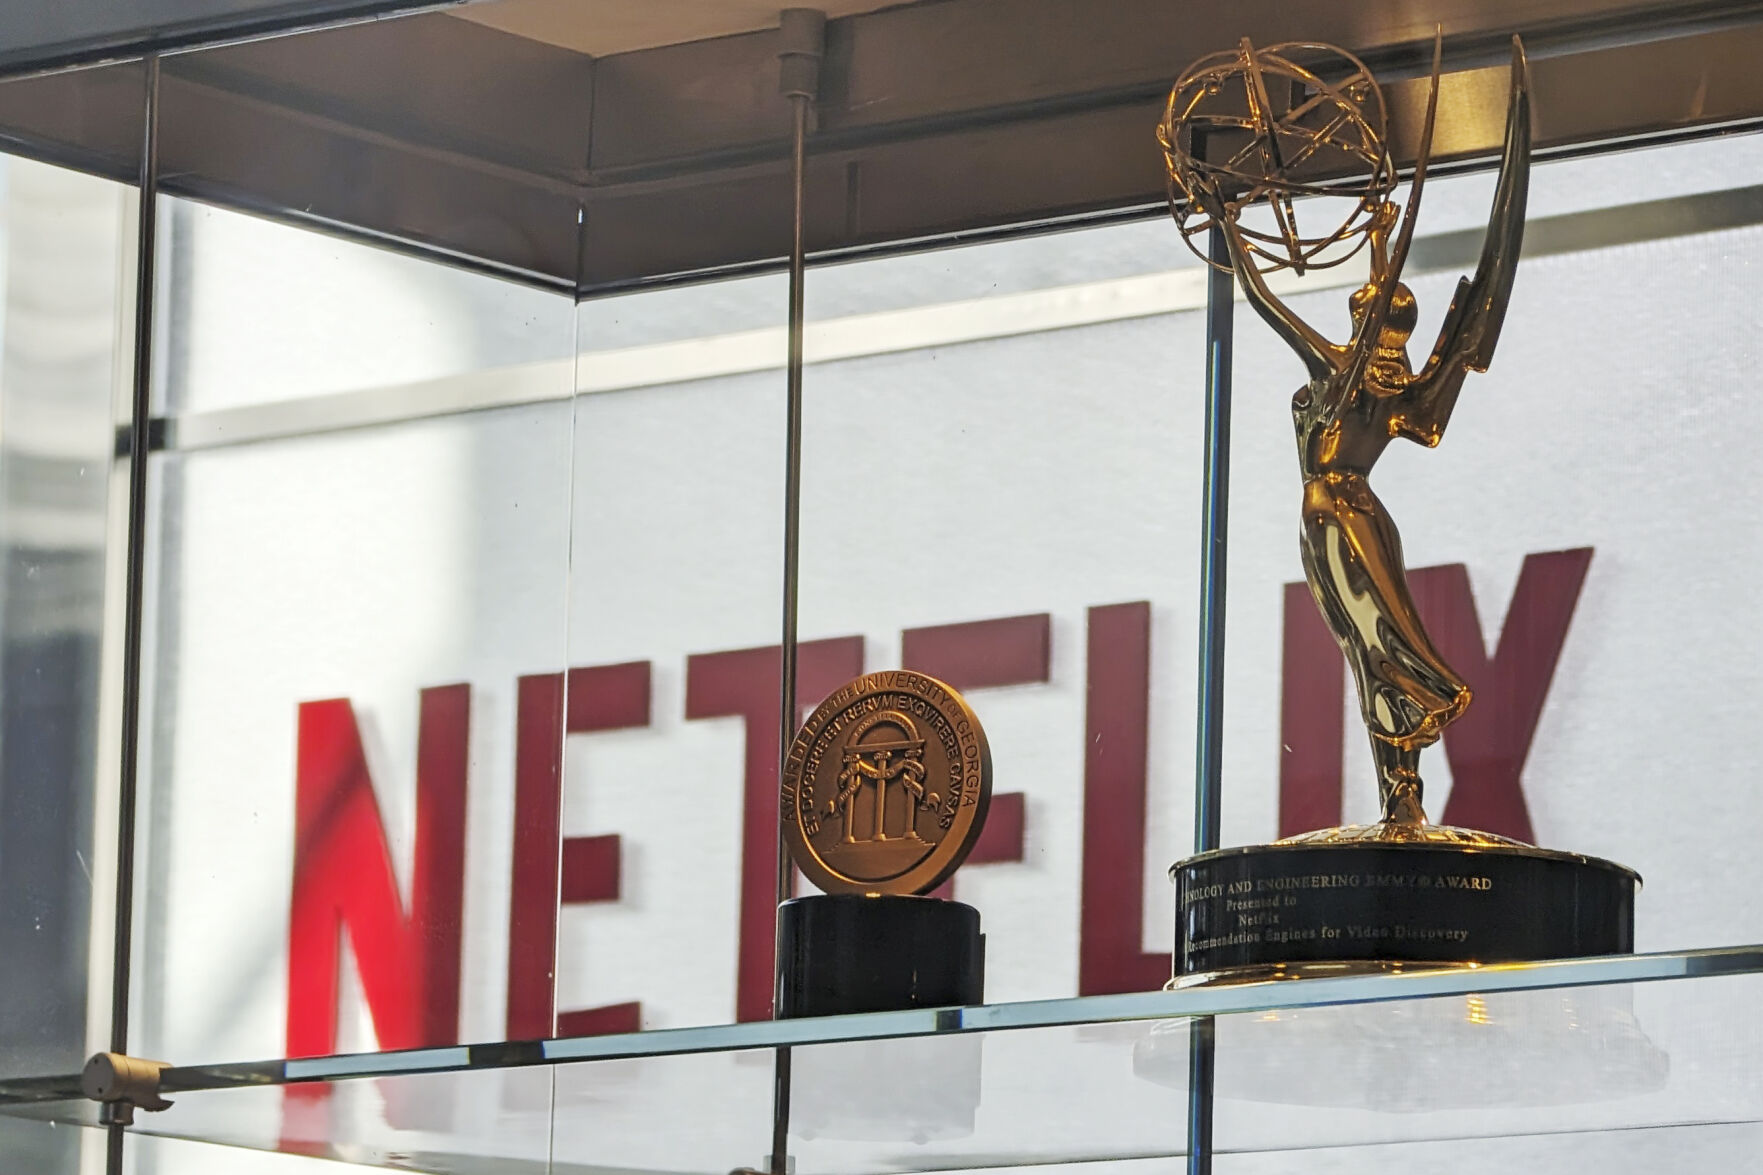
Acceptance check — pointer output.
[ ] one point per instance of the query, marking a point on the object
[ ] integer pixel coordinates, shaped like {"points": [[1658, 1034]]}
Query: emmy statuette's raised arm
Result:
{"points": [[1321, 357]]}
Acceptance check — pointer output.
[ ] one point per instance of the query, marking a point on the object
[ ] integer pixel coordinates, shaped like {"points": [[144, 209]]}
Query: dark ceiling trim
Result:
{"points": [[877, 186], [89, 120], [1158, 208], [432, 83], [22, 57], [929, 68], [942, 121]]}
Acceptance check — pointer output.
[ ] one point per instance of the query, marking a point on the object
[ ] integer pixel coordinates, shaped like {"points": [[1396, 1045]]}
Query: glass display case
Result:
{"points": [[1605, 1064], [399, 497]]}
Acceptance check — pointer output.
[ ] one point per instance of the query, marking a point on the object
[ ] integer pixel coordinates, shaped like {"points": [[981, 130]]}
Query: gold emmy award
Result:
{"points": [[884, 792], [1252, 139]]}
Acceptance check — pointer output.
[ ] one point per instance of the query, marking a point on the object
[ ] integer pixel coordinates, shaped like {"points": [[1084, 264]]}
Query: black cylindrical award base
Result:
{"points": [[1281, 910], [844, 953]]}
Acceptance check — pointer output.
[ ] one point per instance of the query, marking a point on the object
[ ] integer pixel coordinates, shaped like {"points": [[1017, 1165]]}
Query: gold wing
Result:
{"points": [[1478, 309]]}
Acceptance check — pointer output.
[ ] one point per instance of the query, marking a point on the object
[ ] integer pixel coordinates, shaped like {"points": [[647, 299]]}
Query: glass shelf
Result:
{"points": [[1384, 1067]]}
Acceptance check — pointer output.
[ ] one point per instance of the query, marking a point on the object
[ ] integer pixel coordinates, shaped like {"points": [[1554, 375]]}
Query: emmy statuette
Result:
{"points": [[1252, 129], [884, 792]]}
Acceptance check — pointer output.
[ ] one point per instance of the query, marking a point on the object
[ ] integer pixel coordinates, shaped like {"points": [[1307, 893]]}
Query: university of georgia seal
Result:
{"points": [[885, 788]]}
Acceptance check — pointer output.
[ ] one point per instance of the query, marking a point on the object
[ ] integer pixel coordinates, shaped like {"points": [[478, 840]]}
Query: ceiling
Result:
{"points": [[569, 157], [602, 27]]}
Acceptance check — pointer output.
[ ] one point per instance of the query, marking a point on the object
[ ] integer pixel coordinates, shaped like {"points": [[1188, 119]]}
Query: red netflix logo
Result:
{"points": [[409, 959]]}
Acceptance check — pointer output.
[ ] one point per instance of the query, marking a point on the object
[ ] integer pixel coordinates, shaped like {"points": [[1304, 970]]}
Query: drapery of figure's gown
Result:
{"points": [[1353, 560]]}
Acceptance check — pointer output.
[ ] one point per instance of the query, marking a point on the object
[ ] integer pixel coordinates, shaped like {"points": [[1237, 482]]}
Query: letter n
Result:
{"points": [[343, 881]]}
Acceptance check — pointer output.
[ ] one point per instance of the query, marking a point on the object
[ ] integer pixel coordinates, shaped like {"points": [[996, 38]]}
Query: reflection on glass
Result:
{"points": [[910, 1091], [1000, 489], [1500, 1050], [340, 620], [670, 764], [62, 341], [1588, 1063], [263, 313]]}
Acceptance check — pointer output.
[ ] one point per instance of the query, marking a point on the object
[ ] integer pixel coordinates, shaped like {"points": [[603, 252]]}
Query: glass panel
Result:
{"points": [[1620, 1151], [360, 543], [478, 1123], [674, 684], [1047, 1096], [1413, 1077], [1001, 487], [339, 623], [64, 336], [706, 1113], [1594, 487], [40, 1147], [408, 330], [1504, 1065], [336, 529], [147, 1155], [425, 130]]}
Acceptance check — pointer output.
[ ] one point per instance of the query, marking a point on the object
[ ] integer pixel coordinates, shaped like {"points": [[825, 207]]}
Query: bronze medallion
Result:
{"points": [[886, 786]]}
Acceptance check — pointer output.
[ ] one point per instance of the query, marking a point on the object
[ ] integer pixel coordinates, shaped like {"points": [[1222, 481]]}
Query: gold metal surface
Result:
{"points": [[1283, 972], [886, 786], [1466, 839], [1220, 135], [1266, 117]]}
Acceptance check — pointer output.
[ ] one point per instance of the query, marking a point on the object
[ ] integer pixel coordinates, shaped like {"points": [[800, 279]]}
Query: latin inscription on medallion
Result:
{"points": [[885, 788]]}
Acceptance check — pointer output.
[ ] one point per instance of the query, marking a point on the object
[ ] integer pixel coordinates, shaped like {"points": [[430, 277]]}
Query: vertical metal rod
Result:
{"points": [[1202, 1056], [1209, 742], [140, 411], [780, 1118], [1214, 546], [792, 483]]}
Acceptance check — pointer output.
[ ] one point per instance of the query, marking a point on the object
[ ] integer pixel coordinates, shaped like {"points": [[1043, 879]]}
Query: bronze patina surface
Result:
{"points": [[886, 786]]}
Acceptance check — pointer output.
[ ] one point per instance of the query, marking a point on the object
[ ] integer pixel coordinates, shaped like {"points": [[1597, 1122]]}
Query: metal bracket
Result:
{"points": [[122, 1084], [802, 34]]}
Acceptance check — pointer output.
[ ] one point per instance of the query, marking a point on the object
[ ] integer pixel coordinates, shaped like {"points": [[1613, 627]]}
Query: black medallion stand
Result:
{"points": [[845, 953]]}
